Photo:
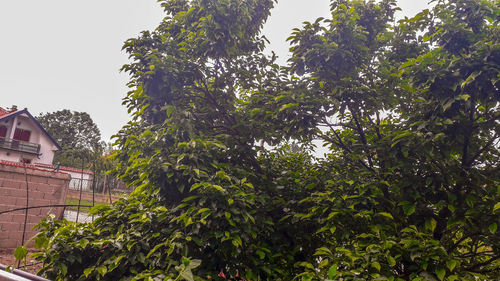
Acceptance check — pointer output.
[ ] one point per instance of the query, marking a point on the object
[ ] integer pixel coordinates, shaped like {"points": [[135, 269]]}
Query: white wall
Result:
{"points": [[77, 178], [47, 150], [9, 155]]}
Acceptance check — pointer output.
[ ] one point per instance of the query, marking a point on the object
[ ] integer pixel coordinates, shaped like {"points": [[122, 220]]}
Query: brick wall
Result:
{"points": [[45, 188]]}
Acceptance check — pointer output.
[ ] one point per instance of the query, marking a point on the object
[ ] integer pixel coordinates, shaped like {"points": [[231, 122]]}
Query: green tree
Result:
{"points": [[415, 118], [75, 132], [409, 113]]}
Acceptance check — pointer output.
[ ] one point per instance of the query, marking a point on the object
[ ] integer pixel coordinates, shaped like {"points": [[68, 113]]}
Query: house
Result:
{"points": [[23, 139]]}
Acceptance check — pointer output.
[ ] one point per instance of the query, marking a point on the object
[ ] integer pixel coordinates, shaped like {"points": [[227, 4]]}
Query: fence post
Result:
{"points": [[81, 187]]}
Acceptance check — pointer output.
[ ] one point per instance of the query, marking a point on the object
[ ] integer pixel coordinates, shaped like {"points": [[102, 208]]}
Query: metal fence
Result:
{"points": [[84, 184], [99, 184]]}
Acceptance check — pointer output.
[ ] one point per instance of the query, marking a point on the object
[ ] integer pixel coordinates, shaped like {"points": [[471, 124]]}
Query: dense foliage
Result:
{"points": [[76, 133], [220, 150]]}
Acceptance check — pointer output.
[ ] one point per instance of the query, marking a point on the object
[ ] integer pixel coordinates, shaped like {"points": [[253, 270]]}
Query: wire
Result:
{"points": [[43, 206]]}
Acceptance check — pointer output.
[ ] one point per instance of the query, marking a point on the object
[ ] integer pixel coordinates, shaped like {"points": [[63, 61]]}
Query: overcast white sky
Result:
{"points": [[66, 54]]}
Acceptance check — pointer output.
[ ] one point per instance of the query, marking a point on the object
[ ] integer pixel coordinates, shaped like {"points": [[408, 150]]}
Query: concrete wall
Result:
{"points": [[45, 188]]}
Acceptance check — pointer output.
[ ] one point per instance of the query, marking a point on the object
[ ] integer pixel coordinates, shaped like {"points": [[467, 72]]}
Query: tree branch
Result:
{"points": [[326, 123], [486, 146], [342, 145], [362, 136], [472, 268]]}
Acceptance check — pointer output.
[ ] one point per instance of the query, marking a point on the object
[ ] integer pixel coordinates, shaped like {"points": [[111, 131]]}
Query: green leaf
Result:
{"points": [[406, 64], [322, 229], [323, 251], [451, 264], [376, 265], [409, 209], [88, 271], [20, 253], [332, 229], [470, 200], [430, 224], [261, 254], [440, 273], [323, 263], [195, 186], [83, 243], [471, 78], [332, 272], [63, 268], [387, 215], [219, 188], [496, 207], [448, 104], [202, 210], [41, 241], [187, 275], [287, 106], [493, 228], [463, 97], [400, 136], [307, 265], [391, 261], [155, 248], [102, 270], [194, 263]]}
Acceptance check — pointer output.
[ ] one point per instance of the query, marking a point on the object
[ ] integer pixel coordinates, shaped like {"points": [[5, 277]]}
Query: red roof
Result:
{"points": [[63, 168], [21, 165], [5, 112]]}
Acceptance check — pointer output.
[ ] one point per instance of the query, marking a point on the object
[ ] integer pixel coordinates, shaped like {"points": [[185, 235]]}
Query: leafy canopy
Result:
{"points": [[409, 114], [75, 132]]}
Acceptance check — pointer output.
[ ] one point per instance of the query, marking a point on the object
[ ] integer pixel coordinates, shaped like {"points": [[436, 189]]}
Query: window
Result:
{"points": [[22, 135], [3, 131]]}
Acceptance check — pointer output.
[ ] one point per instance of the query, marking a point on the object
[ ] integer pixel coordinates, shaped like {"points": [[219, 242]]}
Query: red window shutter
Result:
{"points": [[3, 131], [17, 134], [22, 135], [25, 136]]}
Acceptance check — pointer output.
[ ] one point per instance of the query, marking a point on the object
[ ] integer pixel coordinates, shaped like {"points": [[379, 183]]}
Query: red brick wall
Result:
{"points": [[45, 188]]}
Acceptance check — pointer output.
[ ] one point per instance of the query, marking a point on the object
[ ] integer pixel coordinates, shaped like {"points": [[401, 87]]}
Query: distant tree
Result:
{"points": [[100, 160], [75, 132]]}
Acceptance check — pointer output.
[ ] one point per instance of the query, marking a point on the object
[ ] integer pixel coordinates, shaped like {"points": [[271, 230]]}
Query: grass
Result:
{"points": [[74, 201]]}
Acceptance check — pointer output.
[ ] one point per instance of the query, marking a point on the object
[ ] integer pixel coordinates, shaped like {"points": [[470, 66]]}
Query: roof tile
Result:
{"points": [[3, 112]]}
